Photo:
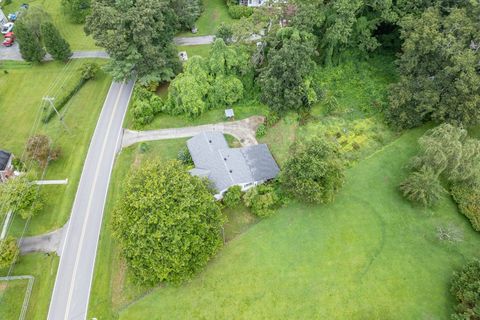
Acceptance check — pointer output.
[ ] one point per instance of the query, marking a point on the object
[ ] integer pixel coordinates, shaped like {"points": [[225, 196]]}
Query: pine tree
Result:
{"points": [[55, 44], [30, 47]]}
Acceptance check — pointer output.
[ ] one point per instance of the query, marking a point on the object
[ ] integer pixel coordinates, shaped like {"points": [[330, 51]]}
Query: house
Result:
{"points": [[226, 167], [6, 167], [252, 3]]}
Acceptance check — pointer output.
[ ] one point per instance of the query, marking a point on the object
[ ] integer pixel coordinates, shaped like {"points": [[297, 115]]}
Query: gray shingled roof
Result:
{"points": [[4, 157], [226, 166]]}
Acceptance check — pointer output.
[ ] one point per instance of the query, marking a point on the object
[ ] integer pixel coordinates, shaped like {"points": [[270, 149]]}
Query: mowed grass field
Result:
{"points": [[22, 89], [73, 33], [369, 255]]}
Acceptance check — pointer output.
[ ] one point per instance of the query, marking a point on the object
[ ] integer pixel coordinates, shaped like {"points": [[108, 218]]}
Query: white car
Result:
{"points": [[7, 27]]}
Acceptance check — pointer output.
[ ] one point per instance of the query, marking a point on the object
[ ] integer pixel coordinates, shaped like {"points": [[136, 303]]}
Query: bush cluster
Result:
{"points": [[262, 200], [238, 11], [145, 106], [232, 197], [8, 252], [468, 200], [466, 289]]}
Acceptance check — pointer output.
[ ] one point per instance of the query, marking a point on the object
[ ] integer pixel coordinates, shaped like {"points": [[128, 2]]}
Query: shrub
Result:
{"points": [[20, 195], [466, 289], [89, 70], [262, 200], [232, 197], [422, 187], [146, 105], [272, 119], [8, 252], [261, 131], [315, 171], [449, 233], [468, 201], [184, 156], [237, 11]]}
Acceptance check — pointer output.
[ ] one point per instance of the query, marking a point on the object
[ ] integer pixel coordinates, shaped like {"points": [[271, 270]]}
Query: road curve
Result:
{"points": [[74, 276]]}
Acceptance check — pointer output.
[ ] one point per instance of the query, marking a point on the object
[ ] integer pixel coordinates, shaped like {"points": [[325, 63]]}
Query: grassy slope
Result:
{"points": [[369, 255], [22, 90], [73, 33], [215, 13]]}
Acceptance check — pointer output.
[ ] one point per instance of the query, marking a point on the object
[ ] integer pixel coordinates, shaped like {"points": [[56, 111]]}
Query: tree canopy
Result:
{"points": [[167, 222], [55, 44], [138, 37], [314, 172], [20, 195], [466, 290]]}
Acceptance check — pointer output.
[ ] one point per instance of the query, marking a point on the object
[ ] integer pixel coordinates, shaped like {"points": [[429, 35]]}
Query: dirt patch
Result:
{"points": [[3, 287], [215, 15], [118, 284]]}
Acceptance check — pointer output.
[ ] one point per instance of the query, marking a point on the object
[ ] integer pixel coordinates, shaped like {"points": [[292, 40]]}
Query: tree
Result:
{"points": [[439, 77], [31, 48], [20, 195], [89, 70], [422, 187], [187, 12], [232, 197], [167, 223], [465, 288], [285, 79], [8, 252], [146, 105], [314, 172], [77, 10], [262, 200], [225, 91], [40, 149], [55, 44], [138, 36], [225, 32]]}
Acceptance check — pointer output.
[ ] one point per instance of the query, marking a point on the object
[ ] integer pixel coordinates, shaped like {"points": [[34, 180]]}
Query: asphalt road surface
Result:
{"points": [[74, 276]]}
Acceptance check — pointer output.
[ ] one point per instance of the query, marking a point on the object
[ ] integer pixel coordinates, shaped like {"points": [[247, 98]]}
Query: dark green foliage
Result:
{"points": [[422, 187], [285, 80], [187, 12], [77, 10], [146, 105], [56, 46], [439, 70], [232, 197], [89, 70], [31, 48], [237, 11], [8, 252], [467, 198], [138, 37], [262, 200], [167, 223], [20, 195], [466, 290], [225, 91], [184, 156], [315, 171], [225, 32]]}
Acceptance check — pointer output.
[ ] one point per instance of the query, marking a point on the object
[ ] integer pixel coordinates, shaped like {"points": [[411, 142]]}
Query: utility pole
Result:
{"points": [[50, 100]]}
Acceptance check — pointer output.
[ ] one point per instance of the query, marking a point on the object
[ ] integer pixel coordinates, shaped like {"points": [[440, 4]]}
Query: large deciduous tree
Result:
{"points": [[138, 37], [55, 44], [77, 10], [20, 195], [314, 172], [167, 222], [40, 148], [439, 76], [285, 79]]}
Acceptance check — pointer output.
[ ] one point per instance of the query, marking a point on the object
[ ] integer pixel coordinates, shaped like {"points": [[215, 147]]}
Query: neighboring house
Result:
{"points": [[252, 3], [6, 167], [226, 167]]}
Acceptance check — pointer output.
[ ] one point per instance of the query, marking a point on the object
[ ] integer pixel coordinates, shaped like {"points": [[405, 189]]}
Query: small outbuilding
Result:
{"points": [[229, 114], [226, 167]]}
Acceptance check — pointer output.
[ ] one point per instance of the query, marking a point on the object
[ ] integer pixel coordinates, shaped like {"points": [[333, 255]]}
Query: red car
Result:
{"points": [[9, 39]]}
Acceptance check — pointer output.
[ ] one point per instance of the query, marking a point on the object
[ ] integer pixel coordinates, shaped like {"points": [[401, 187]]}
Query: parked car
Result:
{"points": [[7, 27], [9, 39]]}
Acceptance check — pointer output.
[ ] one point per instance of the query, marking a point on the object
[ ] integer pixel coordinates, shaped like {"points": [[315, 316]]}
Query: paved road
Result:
{"points": [[74, 276], [244, 130], [13, 52]]}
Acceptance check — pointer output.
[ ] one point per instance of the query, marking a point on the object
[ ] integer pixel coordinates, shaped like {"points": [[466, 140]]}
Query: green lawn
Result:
{"points": [[22, 91], [11, 298], [73, 33], [215, 13], [200, 50], [370, 255], [43, 268]]}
